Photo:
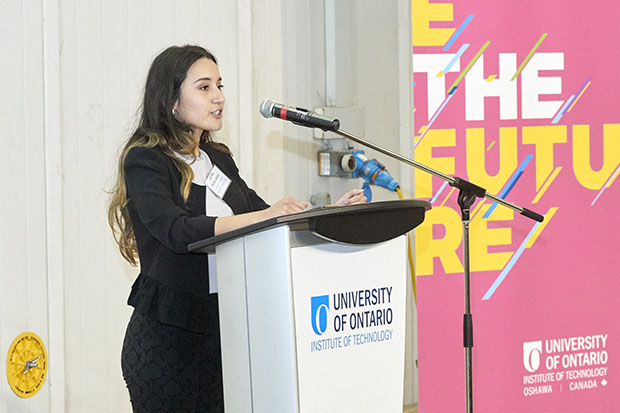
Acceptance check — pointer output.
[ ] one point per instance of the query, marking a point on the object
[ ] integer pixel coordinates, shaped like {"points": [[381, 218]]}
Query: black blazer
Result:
{"points": [[173, 285]]}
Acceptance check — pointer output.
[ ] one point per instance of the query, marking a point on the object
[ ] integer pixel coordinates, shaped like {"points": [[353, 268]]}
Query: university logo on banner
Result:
{"points": [[532, 352], [577, 363]]}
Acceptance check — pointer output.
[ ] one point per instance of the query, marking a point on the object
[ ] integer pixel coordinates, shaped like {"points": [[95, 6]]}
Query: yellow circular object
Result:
{"points": [[26, 365]]}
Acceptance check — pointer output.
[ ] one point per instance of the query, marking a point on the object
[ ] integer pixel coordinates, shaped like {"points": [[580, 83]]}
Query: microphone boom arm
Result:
{"points": [[452, 181]]}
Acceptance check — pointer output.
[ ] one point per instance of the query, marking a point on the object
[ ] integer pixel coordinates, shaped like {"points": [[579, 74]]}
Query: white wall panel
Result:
{"points": [[268, 80], [53, 204], [141, 48], [236, 64], [162, 13], [70, 153], [107, 49], [376, 79], [383, 32], [23, 286], [82, 88], [118, 104], [304, 85]]}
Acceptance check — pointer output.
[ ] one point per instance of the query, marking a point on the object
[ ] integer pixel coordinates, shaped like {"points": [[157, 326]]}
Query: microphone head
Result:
{"points": [[266, 107]]}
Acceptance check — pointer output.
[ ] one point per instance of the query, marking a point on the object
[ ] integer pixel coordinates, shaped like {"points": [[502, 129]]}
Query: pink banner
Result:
{"points": [[522, 99]]}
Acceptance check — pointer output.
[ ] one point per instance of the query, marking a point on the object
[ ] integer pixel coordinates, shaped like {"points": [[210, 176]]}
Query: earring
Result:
{"points": [[173, 112]]}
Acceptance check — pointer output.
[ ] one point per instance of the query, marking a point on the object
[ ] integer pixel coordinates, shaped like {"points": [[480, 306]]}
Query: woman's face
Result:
{"points": [[201, 102]]}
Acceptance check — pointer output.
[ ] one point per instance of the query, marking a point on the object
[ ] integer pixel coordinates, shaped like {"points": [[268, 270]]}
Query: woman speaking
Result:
{"points": [[175, 186]]}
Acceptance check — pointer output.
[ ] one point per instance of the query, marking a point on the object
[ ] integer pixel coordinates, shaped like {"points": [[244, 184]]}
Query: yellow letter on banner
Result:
{"points": [[581, 155], [544, 137], [476, 170], [445, 248], [422, 13], [424, 154], [483, 237]]}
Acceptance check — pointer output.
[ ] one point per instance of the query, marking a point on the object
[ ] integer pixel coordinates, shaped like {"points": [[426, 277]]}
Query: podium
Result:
{"points": [[312, 309]]}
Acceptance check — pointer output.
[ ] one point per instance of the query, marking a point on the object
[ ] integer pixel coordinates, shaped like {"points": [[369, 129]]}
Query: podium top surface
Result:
{"points": [[360, 224]]}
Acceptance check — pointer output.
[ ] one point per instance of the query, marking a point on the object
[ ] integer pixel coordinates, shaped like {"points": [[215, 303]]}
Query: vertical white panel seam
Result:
{"points": [[153, 26], [330, 53], [25, 155], [103, 109], [79, 203], [405, 102], [247, 318], [53, 200], [294, 316], [245, 75]]}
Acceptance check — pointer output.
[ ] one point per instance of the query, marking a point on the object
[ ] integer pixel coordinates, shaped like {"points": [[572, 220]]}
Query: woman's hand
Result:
{"points": [[355, 196], [285, 206]]}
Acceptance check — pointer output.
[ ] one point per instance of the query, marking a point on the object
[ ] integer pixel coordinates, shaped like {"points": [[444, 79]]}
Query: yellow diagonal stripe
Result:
{"points": [[575, 101], [444, 201], [491, 78], [476, 209], [542, 226], [546, 185]]}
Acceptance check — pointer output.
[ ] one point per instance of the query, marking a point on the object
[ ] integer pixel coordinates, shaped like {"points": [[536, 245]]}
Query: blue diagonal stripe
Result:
{"points": [[511, 184], [570, 100], [458, 32], [455, 58], [443, 105], [510, 264], [439, 192], [605, 186], [562, 111]]}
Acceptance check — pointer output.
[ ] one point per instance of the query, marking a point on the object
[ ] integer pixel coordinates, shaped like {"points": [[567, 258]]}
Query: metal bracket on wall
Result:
{"points": [[331, 163]]}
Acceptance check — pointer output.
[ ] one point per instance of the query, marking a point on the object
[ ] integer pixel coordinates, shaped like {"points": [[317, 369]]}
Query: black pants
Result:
{"points": [[170, 369]]}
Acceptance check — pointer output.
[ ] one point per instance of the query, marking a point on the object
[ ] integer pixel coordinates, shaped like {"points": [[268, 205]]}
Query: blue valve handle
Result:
{"points": [[367, 191], [373, 173]]}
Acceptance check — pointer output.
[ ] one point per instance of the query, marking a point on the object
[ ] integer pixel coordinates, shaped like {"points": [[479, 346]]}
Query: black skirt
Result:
{"points": [[171, 369]]}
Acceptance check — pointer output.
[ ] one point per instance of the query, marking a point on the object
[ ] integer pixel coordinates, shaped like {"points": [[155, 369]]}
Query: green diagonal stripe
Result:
{"points": [[529, 56], [469, 65]]}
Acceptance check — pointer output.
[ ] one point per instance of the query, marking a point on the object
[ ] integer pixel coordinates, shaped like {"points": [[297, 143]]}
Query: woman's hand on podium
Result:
{"points": [[285, 206], [355, 196]]}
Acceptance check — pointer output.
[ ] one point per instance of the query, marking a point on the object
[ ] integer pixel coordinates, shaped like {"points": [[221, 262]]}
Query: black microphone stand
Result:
{"points": [[468, 192]]}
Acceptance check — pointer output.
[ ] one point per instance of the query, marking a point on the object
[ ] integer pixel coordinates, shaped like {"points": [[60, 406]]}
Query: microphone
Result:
{"points": [[299, 116], [372, 171]]}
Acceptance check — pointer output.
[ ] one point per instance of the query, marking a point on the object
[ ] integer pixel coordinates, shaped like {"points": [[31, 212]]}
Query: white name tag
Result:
{"points": [[217, 182]]}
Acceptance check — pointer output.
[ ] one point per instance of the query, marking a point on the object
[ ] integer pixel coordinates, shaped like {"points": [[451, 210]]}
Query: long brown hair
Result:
{"points": [[158, 128]]}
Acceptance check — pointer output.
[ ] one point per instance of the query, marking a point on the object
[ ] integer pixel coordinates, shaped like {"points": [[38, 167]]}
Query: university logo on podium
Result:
{"points": [[319, 307]]}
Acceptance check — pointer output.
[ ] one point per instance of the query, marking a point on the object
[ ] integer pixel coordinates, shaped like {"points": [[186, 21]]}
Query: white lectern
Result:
{"points": [[312, 309]]}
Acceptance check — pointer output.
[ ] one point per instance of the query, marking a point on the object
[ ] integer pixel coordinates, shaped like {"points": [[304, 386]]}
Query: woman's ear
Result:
{"points": [[174, 108]]}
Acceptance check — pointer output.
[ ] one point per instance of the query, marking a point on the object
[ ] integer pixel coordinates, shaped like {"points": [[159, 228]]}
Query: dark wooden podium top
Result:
{"points": [[361, 224]]}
